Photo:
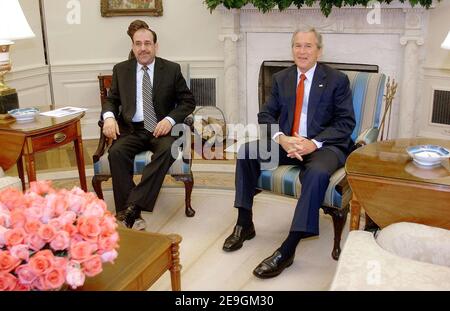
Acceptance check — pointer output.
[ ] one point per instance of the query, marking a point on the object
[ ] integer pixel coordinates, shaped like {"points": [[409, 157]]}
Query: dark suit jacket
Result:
{"points": [[330, 109], [171, 96]]}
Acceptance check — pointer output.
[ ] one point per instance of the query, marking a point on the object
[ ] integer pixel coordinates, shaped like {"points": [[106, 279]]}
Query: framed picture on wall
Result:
{"points": [[131, 7]]}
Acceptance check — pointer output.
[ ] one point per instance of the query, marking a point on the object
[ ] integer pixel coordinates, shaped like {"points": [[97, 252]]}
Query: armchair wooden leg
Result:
{"points": [[339, 217], [188, 185], [97, 185]]}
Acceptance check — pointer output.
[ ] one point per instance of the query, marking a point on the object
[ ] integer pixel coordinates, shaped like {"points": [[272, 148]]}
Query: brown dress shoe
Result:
{"points": [[235, 241]]}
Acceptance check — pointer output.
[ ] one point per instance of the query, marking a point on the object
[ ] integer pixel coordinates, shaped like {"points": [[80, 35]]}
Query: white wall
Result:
{"points": [[438, 29], [436, 71], [187, 32], [29, 74]]}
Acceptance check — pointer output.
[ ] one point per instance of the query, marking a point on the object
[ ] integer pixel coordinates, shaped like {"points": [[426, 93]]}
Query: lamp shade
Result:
{"points": [[13, 24], [446, 43]]}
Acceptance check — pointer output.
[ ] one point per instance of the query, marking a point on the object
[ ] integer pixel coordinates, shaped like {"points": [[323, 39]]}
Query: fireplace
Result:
{"points": [[394, 45]]}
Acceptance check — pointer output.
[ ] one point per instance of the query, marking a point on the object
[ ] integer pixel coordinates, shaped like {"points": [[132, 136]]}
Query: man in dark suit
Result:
{"points": [[312, 105], [148, 96]]}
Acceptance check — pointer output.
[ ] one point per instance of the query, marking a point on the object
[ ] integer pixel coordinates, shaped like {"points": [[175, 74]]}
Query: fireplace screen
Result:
{"points": [[270, 67]]}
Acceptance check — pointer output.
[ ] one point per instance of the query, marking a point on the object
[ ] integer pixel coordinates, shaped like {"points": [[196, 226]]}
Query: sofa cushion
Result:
{"points": [[417, 242], [365, 265]]}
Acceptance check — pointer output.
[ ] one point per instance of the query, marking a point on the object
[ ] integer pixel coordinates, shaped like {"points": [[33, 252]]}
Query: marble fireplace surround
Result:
{"points": [[394, 44]]}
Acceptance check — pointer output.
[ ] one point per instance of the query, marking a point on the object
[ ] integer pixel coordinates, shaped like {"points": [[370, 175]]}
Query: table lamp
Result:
{"points": [[13, 26], [446, 43]]}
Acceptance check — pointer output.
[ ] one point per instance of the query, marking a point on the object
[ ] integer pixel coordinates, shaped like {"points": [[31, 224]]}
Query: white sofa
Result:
{"points": [[7, 181], [404, 256]]}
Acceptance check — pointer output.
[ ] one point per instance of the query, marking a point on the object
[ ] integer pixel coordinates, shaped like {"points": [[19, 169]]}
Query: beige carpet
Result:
{"points": [[207, 267]]}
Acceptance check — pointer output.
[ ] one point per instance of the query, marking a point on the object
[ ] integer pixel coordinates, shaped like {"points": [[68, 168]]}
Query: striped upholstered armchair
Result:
{"points": [[367, 90], [180, 169]]}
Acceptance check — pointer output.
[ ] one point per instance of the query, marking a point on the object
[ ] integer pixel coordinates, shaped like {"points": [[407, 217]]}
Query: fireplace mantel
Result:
{"points": [[351, 34]]}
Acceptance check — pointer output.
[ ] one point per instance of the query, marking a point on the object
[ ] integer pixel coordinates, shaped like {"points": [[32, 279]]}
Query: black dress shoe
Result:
{"points": [[234, 241], [128, 216], [273, 265]]}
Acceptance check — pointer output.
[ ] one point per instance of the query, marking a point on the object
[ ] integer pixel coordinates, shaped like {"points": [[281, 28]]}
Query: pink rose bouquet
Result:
{"points": [[50, 237]]}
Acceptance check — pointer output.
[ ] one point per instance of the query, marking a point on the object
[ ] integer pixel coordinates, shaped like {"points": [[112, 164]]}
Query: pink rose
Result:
{"points": [[70, 229], [25, 274], [56, 223], [20, 251], [80, 250], [46, 232], [18, 218], [32, 225], [41, 187], [14, 236], [89, 227], [74, 276], [61, 241], [54, 278], [7, 262], [2, 235], [34, 212], [68, 217], [35, 242], [92, 266], [109, 242], [109, 256], [7, 281], [22, 287], [12, 197], [95, 209], [40, 262], [5, 218], [39, 283], [108, 223], [60, 262]]}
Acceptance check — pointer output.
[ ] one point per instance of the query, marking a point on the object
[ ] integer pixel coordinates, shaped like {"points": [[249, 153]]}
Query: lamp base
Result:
{"points": [[8, 100]]}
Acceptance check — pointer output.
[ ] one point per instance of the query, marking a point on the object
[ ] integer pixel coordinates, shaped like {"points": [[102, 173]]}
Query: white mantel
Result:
{"points": [[250, 37]]}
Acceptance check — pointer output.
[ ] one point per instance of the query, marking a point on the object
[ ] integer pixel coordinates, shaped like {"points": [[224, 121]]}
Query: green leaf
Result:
{"points": [[284, 4], [326, 6]]}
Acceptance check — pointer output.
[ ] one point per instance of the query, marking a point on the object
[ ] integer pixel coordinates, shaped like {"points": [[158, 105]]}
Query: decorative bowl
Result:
{"points": [[428, 155], [24, 114]]}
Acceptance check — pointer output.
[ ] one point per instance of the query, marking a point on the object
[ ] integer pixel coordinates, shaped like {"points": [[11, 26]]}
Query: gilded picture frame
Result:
{"points": [[131, 8]]}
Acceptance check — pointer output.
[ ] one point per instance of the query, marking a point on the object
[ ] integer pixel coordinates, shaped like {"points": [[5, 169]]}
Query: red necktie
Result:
{"points": [[298, 105]]}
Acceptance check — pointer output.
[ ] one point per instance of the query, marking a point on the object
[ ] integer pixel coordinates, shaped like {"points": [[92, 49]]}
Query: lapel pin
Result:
{"points": [[320, 85]]}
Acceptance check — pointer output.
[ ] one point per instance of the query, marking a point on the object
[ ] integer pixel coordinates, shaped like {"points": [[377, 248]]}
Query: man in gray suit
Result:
{"points": [[148, 96]]}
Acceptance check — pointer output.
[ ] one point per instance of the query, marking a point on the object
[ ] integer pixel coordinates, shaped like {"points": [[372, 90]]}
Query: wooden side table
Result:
{"points": [[43, 133], [391, 188], [143, 258]]}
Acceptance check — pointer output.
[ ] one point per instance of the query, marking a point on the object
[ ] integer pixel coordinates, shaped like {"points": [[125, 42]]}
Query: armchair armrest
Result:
{"points": [[103, 144]]}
